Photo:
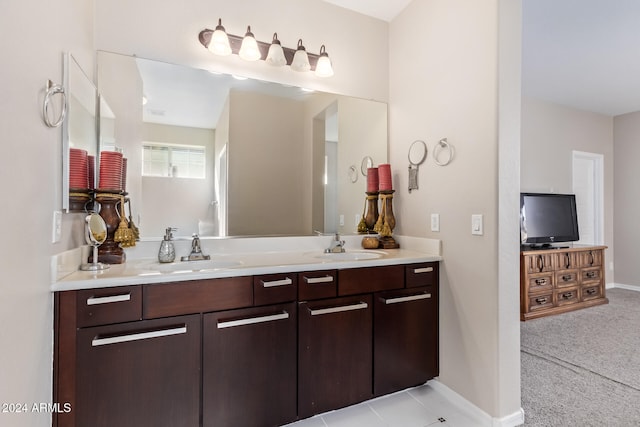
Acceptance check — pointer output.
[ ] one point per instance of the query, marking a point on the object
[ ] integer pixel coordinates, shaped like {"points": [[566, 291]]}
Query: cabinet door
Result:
{"points": [[335, 353], [249, 366], [144, 373], [405, 352]]}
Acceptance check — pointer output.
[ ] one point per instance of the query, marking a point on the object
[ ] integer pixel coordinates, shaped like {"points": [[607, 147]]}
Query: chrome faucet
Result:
{"points": [[336, 246], [196, 251]]}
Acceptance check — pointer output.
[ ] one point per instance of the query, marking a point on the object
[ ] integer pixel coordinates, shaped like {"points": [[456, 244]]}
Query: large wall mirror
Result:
{"points": [[79, 133], [220, 156]]}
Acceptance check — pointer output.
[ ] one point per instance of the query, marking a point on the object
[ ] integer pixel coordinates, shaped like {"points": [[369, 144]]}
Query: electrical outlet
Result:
{"points": [[435, 222], [56, 236], [476, 225], [341, 219]]}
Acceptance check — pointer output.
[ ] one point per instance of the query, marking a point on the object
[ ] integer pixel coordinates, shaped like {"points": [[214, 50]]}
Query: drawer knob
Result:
{"points": [[591, 274], [541, 300], [541, 281], [591, 291], [566, 277], [567, 295]]}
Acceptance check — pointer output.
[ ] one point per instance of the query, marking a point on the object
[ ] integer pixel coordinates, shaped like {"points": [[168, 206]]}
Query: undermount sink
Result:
{"points": [[189, 266], [351, 255]]}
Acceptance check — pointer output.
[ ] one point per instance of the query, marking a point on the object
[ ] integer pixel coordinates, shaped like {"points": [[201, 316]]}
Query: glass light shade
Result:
{"points": [[323, 66], [249, 49], [300, 59], [219, 43], [276, 56]]}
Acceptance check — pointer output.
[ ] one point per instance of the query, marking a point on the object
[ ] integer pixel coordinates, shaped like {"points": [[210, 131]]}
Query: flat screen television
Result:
{"points": [[546, 219]]}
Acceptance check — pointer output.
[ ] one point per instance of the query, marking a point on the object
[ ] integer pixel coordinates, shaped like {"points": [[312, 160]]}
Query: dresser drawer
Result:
{"points": [[591, 292], [423, 274], [317, 285], [108, 305], [540, 283], [540, 301], [275, 288], [197, 296], [592, 258], [566, 278], [591, 275], [567, 296]]}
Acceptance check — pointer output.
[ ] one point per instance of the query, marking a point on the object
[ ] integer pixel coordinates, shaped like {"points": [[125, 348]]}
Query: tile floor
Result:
{"points": [[417, 407]]}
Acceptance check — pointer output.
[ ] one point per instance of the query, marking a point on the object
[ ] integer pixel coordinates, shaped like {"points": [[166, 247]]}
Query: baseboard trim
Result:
{"points": [[623, 286], [481, 417]]}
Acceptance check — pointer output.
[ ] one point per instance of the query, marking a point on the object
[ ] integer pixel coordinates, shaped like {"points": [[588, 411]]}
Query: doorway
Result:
{"points": [[588, 184]]}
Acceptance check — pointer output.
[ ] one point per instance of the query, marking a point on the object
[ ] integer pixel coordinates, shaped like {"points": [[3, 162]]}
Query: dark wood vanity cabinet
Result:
{"points": [[139, 373], [334, 353], [249, 366], [243, 351]]}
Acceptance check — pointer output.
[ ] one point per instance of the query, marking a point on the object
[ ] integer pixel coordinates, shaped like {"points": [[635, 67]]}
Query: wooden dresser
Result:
{"points": [[555, 281]]}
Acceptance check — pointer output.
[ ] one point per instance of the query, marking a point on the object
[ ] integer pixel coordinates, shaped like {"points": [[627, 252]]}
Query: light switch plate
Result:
{"points": [[477, 227], [57, 227], [341, 220], [435, 222]]}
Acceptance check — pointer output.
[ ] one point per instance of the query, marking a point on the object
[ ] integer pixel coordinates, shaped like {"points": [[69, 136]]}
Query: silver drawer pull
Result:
{"points": [[422, 270], [110, 299], [407, 298], [253, 320], [273, 283], [139, 336], [330, 310], [313, 280]]}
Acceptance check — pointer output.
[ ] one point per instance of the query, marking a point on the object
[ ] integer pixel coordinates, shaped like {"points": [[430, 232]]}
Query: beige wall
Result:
{"points": [[444, 83], [626, 201], [550, 133], [35, 33]]}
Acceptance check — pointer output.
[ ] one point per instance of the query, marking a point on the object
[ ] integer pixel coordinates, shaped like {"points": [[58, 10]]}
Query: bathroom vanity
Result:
{"points": [[262, 343]]}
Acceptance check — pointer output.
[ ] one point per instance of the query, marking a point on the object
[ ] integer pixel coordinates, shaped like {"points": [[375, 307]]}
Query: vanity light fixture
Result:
{"points": [[249, 49], [323, 66], [275, 56], [219, 42], [300, 59]]}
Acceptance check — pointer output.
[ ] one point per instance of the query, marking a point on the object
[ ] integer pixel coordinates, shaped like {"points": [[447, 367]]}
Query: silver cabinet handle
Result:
{"points": [[109, 299], [253, 320], [312, 280], [423, 270], [320, 311], [273, 283], [139, 336], [406, 299]]}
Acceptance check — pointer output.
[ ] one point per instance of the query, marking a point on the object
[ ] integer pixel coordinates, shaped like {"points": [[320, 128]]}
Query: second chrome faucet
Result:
{"points": [[196, 251]]}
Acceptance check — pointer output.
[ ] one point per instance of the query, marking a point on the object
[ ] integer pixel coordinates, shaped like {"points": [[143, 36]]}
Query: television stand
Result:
{"points": [[556, 280]]}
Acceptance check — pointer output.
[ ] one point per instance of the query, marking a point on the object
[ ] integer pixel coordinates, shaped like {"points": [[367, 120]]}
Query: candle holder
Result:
{"points": [[372, 211], [110, 251], [386, 221]]}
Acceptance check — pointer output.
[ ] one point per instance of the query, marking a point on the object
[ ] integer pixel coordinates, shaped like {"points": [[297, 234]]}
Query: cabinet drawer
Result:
{"points": [[108, 305], [566, 278], [370, 279], [567, 296], [591, 292], [198, 296], [540, 301], [540, 283], [567, 260], [538, 263], [317, 285], [275, 288], [591, 275], [423, 274], [591, 258]]}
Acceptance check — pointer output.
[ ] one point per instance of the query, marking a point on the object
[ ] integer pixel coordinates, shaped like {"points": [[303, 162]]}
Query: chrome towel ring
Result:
{"points": [[53, 89], [441, 147]]}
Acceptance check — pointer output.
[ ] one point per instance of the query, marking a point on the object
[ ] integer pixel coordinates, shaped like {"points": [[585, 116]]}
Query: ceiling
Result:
{"points": [[580, 53]]}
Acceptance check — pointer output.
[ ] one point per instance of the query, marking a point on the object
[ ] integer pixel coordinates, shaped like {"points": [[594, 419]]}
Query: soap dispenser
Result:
{"points": [[167, 252]]}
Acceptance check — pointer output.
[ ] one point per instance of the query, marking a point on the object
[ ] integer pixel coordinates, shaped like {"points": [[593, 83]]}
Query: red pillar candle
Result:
{"points": [[372, 180], [384, 176]]}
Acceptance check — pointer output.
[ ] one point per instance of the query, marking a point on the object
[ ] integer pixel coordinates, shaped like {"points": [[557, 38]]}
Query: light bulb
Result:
{"points": [[300, 59], [219, 43], [323, 66], [276, 56]]}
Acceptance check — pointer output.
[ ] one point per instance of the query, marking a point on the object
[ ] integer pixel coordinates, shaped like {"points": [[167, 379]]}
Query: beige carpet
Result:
{"points": [[583, 368]]}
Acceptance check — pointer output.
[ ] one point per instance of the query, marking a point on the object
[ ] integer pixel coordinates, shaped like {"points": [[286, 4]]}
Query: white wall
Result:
{"points": [[35, 33], [550, 133], [626, 201], [444, 83]]}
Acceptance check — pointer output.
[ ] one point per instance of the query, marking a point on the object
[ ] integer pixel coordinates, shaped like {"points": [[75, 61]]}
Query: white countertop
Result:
{"points": [[237, 259]]}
